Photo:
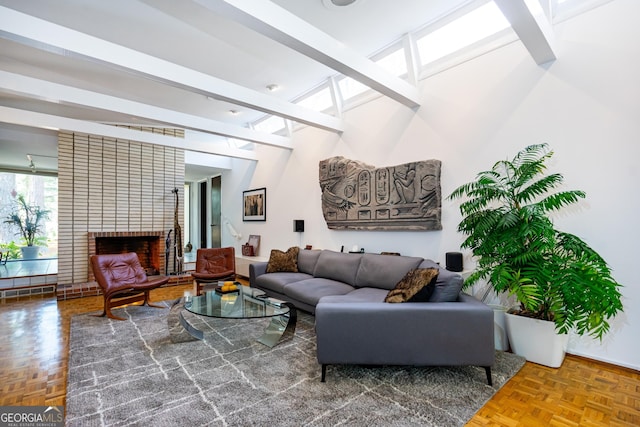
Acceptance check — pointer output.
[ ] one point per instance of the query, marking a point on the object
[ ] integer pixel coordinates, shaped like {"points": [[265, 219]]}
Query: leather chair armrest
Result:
{"points": [[212, 276]]}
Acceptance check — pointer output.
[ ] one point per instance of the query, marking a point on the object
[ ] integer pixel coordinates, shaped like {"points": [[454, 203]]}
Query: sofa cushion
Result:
{"points": [[307, 260], [283, 261], [358, 295], [311, 290], [448, 285], [416, 286], [339, 266], [277, 281], [384, 271]]}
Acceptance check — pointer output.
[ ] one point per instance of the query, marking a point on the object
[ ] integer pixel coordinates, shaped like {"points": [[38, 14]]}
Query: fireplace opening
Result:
{"points": [[147, 245]]}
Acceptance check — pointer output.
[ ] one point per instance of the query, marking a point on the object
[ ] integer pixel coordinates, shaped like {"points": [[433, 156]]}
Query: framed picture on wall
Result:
{"points": [[254, 205]]}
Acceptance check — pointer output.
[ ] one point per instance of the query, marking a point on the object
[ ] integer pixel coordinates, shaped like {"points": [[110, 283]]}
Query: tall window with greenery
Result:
{"points": [[37, 191]]}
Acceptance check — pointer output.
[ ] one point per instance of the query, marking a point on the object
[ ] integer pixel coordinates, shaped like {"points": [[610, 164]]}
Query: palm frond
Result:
{"points": [[557, 201], [530, 191]]}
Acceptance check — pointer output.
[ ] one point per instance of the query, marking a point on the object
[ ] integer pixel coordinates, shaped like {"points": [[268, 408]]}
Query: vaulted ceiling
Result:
{"points": [[80, 65]]}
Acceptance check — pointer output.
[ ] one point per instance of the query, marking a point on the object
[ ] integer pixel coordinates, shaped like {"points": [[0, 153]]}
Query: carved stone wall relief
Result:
{"points": [[358, 196]]}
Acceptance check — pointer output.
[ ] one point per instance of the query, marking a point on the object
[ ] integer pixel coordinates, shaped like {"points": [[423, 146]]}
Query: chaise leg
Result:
{"points": [[110, 315], [106, 311], [146, 301], [324, 373], [488, 371], [108, 304]]}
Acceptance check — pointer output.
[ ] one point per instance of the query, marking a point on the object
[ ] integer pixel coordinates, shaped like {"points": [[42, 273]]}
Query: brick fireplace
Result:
{"points": [[113, 188], [147, 244]]}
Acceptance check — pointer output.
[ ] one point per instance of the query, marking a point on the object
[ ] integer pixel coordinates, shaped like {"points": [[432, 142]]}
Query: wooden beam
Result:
{"points": [[52, 92], [47, 121], [278, 24], [529, 21], [44, 35]]}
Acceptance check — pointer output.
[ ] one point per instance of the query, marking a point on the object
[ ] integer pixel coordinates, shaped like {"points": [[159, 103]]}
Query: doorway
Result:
{"points": [[210, 212], [202, 214], [216, 212]]}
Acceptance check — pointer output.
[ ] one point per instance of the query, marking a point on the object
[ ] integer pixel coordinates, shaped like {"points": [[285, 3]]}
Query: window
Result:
{"points": [[240, 143], [395, 63], [318, 100], [565, 9], [464, 31], [350, 88], [38, 190], [270, 124]]}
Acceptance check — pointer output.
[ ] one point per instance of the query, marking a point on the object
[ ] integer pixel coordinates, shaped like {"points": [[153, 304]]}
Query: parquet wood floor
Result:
{"points": [[34, 347]]}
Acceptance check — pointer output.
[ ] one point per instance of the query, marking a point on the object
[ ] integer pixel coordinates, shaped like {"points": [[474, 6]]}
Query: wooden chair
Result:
{"points": [[213, 265], [123, 281]]}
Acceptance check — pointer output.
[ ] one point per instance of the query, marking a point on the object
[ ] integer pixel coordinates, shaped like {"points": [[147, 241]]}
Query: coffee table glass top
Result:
{"points": [[246, 303]]}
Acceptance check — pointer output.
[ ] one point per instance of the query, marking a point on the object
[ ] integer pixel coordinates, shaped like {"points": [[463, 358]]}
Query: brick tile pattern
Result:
{"points": [[112, 185]]}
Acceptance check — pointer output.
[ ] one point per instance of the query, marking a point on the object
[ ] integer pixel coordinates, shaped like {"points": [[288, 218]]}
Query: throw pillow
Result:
{"points": [[416, 286], [283, 261]]}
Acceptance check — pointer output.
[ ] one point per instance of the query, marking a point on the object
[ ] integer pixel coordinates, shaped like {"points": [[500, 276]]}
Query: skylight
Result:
{"points": [[459, 33], [320, 100], [350, 88], [270, 125], [464, 31], [394, 62]]}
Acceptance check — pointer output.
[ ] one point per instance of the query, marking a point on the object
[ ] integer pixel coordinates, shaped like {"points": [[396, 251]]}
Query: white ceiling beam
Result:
{"points": [[278, 24], [57, 93], [208, 160], [44, 35], [530, 22], [46, 121]]}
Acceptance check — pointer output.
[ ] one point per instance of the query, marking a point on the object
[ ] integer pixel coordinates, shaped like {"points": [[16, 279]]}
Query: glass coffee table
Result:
{"points": [[245, 303]]}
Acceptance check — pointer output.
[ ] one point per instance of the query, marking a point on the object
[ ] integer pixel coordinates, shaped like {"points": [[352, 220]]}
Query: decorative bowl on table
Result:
{"points": [[226, 288]]}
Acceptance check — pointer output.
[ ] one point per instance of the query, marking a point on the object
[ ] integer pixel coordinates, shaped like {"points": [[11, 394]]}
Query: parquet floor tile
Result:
{"points": [[581, 392], [34, 349]]}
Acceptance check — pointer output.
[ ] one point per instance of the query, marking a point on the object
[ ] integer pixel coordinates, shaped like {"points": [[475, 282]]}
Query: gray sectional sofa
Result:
{"points": [[346, 293]]}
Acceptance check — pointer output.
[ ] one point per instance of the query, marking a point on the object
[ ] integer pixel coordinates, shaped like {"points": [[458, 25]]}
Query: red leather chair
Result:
{"points": [[212, 265], [123, 281]]}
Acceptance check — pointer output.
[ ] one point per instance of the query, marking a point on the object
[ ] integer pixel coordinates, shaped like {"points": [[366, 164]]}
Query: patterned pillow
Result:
{"points": [[416, 286], [283, 261]]}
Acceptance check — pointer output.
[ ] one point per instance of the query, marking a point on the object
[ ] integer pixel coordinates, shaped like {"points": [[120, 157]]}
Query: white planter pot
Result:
{"points": [[501, 340], [536, 340], [30, 252]]}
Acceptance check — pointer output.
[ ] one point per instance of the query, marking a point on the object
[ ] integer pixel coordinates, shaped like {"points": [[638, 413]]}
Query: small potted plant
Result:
{"points": [[28, 219], [557, 278]]}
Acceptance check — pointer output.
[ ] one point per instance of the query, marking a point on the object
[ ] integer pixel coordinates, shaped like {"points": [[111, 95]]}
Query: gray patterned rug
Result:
{"points": [[131, 373]]}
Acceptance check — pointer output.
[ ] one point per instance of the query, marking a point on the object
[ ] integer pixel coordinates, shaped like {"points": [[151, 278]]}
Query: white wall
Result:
{"points": [[586, 105]]}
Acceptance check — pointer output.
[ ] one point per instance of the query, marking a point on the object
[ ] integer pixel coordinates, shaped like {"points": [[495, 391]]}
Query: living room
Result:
{"points": [[584, 104]]}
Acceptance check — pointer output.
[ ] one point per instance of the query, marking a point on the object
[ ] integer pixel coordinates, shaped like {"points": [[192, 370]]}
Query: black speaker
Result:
{"points": [[454, 261], [298, 225]]}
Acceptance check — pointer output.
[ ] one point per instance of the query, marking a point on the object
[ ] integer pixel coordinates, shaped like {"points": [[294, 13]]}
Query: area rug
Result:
{"points": [[131, 373]]}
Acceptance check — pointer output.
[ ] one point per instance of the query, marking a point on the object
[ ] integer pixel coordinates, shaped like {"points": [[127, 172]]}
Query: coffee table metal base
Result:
{"points": [[179, 329], [280, 329]]}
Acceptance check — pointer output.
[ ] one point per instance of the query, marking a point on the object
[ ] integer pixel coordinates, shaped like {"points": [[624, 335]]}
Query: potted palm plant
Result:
{"points": [[559, 281], [28, 218]]}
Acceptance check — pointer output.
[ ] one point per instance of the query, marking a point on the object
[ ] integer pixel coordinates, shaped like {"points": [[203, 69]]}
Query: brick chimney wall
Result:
{"points": [[108, 185]]}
